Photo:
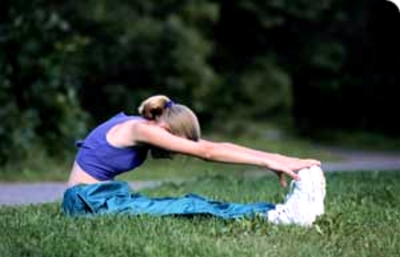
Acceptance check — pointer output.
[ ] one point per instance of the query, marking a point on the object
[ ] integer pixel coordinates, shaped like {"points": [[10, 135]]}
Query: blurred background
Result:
{"points": [[324, 70]]}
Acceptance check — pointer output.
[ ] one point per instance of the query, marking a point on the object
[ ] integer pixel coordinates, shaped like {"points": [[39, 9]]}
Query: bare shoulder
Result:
{"points": [[158, 136], [142, 130], [140, 126], [124, 134]]}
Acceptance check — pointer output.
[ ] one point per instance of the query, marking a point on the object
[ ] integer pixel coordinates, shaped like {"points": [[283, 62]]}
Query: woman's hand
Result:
{"points": [[284, 166]]}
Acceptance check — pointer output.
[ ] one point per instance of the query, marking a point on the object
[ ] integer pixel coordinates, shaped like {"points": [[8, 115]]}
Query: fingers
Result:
{"points": [[291, 174], [306, 163], [282, 180], [312, 162], [290, 168]]}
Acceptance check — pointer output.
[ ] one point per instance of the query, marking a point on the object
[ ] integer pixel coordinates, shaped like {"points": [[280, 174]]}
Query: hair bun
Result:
{"points": [[153, 107]]}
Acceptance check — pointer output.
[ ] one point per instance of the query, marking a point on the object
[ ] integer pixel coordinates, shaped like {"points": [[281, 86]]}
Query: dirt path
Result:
{"points": [[36, 193], [354, 160]]}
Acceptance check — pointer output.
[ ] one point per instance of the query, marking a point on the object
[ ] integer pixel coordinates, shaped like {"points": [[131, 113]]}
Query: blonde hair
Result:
{"points": [[181, 120]]}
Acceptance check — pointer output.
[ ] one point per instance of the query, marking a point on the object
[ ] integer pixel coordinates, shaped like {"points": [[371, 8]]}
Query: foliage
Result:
{"points": [[66, 66], [38, 80], [333, 52], [355, 224]]}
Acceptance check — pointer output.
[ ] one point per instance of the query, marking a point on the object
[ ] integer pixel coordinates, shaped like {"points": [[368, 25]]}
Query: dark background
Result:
{"points": [[329, 65]]}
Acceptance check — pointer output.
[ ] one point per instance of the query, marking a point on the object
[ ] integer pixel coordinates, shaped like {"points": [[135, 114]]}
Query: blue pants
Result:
{"points": [[117, 198]]}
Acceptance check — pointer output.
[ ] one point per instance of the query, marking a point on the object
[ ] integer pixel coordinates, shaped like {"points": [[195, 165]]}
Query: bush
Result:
{"points": [[39, 78]]}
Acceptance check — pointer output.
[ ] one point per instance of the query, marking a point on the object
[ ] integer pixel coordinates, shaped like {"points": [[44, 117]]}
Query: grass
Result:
{"points": [[362, 219]]}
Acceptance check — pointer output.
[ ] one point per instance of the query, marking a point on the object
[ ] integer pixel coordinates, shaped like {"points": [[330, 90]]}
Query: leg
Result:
{"points": [[116, 197], [192, 204]]}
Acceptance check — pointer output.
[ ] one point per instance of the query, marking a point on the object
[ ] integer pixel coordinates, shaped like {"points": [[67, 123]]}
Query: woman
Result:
{"points": [[165, 128]]}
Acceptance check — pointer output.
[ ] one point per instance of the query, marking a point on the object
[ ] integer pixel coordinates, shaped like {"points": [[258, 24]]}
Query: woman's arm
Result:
{"points": [[219, 152], [292, 163], [295, 163]]}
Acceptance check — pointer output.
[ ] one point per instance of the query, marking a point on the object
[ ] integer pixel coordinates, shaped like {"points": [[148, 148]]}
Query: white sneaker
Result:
{"points": [[318, 189], [298, 207]]}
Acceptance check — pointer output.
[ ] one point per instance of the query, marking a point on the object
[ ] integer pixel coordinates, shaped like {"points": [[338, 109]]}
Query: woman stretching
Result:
{"points": [[165, 128]]}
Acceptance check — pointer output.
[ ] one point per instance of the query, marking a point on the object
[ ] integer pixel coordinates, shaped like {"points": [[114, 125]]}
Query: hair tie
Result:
{"points": [[169, 104]]}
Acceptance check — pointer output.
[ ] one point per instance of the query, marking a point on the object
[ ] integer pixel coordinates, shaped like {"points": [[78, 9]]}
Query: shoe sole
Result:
{"points": [[319, 188]]}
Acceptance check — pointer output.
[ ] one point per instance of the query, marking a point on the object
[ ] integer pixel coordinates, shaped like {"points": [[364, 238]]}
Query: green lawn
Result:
{"points": [[362, 219]]}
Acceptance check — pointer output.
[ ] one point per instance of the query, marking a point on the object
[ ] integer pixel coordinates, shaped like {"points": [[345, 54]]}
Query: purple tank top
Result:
{"points": [[104, 161]]}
